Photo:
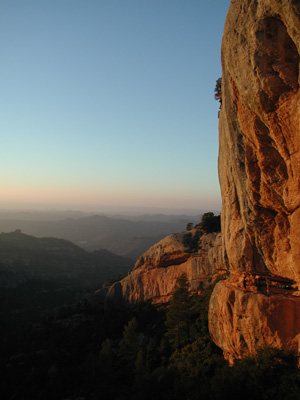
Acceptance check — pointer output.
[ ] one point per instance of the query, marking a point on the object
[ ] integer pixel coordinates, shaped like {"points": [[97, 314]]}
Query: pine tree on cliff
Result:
{"points": [[179, 314], [218, 93], [218, 90]]}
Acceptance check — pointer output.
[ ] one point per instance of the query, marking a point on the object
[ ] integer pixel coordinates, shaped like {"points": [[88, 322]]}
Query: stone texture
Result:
{"points": [[259, 169], [243, 320], [156, 271], [259, 159]]}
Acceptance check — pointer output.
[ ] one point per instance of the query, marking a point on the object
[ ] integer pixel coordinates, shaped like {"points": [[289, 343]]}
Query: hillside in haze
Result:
{"points": [[128, 236], [25, 258]]}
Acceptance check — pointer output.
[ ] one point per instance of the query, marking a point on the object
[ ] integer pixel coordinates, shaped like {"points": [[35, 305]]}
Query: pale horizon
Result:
{"points": [[107, 209], [110, 103]]}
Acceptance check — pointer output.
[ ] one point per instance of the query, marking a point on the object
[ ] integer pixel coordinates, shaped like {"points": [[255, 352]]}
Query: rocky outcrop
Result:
{"points": [[244, 316], [156, 271], [259, 170]]}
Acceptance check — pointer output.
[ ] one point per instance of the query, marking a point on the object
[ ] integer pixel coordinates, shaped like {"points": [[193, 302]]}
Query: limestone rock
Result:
{"points": [[156, 271], [259, 165]]}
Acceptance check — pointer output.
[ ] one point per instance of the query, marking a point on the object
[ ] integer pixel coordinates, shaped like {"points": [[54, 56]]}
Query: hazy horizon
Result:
{"points": [[107, 210], [110, 104]]}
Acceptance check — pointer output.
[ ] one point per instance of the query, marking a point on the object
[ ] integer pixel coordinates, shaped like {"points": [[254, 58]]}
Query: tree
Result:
{"points": [[106, 355], [210, 222], [218, 93], [218, 90], [271, 374], [189, 226], [107, 363], [178, 314], [129, 345]]}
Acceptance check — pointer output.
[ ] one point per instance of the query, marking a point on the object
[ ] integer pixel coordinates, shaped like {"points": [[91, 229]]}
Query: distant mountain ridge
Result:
{"points": [[126, 236], [24, 257]]}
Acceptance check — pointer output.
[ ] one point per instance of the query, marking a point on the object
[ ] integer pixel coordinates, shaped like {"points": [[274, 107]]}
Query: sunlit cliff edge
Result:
{"points": [[154, 276], [259, 171]]}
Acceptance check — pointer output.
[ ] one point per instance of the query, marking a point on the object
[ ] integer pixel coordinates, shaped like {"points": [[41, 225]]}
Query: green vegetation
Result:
{"points": [[218, 93], [210, 222], [139, 352], [178, 316], [189, 226], [218, 90]]}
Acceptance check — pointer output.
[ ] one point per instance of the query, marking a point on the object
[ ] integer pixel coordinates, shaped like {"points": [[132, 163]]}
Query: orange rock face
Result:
{"points": [[243, 320], [156, 271], [259, 170], [259, 161]]}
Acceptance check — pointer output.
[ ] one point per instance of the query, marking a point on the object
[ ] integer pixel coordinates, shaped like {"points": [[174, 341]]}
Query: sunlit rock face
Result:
{"points": [[242, 320], [259, 166], [156, 271]]}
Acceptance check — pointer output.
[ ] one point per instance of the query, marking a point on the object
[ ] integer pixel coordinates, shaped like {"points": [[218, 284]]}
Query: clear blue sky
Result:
{"points": [[110, 102]]}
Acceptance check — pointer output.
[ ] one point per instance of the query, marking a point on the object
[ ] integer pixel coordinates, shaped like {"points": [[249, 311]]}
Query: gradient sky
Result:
{"points": [[110, 102]]}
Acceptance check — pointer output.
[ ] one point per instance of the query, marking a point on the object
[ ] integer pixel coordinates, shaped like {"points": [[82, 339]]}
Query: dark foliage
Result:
{"points": [[218, 89], [128, 353], [189, 226], [210, 222], [178, 318]]}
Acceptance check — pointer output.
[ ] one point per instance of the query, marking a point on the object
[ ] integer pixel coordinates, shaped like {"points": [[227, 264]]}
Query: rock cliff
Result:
{"points": [[154, 275], [259, 171]]}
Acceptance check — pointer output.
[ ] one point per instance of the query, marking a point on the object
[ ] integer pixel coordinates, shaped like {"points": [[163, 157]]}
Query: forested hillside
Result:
{"points": [[138, 352]]}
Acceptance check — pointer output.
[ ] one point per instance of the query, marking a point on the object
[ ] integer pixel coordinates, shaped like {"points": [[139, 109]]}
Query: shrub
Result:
{"points": [[210, 222]]}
